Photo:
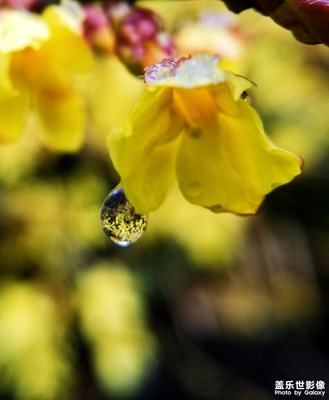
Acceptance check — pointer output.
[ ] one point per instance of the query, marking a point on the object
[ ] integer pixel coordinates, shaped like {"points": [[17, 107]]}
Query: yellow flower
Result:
{"points": [[39, 56], [192, 124]]}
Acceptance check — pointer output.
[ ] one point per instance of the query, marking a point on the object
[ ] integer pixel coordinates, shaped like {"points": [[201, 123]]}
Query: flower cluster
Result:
{"points": [[37, 69], [43, 49], [192, 124]]}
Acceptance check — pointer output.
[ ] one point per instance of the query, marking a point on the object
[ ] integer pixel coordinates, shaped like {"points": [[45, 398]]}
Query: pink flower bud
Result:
{"points": [[139, 26], [308, 20], [97, 29], [21, 4], [140, 36]]}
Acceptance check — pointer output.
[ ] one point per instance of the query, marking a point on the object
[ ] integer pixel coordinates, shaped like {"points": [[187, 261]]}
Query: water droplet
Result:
{"points": [[119, 220], [244, 96], [194, 189], [217, 208], [196, 133]]}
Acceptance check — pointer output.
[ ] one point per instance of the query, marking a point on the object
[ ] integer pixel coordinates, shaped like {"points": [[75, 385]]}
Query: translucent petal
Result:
{"points": [[63, 117], [231, 165], [13, 111], [143, 149]]}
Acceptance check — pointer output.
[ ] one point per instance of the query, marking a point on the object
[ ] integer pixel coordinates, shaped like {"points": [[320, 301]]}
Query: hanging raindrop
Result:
{"points": [[245, 96], [119, 221]]}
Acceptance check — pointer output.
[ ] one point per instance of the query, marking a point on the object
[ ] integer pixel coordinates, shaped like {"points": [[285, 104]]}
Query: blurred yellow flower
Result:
{"points": [[32, 343], [193, 124], [39, 56], [112, 319]]}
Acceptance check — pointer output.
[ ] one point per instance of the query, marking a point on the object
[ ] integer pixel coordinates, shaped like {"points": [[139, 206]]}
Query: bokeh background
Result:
{"points": [[203, 306]]}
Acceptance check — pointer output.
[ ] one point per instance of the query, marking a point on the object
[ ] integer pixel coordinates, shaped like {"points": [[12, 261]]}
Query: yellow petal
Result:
{"points": [[13, 111], [69, 13], [62, 116], [143, 149], [67, 48], [237, 84], [231, 165], [63, 54], [195, 105], [20, 29], [7, 88]]}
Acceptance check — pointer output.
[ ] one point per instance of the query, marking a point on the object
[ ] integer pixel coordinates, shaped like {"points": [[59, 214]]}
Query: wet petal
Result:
{"points": [[143, 149], [63, 117], [231, 165]]}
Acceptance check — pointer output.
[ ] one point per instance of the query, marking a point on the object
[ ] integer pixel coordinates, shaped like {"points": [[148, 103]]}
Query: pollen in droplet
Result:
{"points": [[119, 220]]}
